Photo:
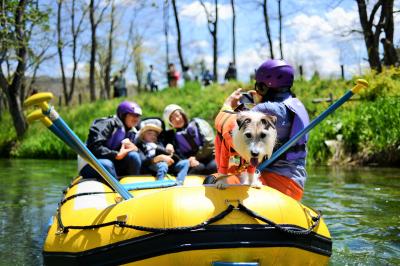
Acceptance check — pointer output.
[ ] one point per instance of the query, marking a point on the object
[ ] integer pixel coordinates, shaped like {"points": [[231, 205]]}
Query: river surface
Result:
{"points": [[361, 207]]}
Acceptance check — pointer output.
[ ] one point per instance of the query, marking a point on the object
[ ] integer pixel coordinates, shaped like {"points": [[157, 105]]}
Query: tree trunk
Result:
{"points": [[215, 44], [107, 74], [60, 46], [280, 27], [213, 29], [267, 28], [233, 32], [390, 55], [12, 91], [371, 38], [166, 29], [179, 39], [92, 80]]}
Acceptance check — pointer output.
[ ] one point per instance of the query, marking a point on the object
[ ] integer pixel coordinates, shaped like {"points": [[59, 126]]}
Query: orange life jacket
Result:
{"points": [[225, 122]]}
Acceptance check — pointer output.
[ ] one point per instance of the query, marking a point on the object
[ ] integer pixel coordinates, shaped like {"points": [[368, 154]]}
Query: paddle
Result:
{"points": [[52, 120], [360, 83]]}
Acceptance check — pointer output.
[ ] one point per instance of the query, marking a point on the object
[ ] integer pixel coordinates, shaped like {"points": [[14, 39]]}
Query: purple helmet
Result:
{"points": [[275, 74], [127, 107]]}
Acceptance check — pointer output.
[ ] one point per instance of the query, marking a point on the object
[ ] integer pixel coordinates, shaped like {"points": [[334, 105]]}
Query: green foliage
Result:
{"points": [[368, 127], [385, 84], [32, 15]]}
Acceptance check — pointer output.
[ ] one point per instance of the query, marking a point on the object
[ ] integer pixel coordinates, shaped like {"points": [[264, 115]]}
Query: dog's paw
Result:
{"points": [[221, 184]]}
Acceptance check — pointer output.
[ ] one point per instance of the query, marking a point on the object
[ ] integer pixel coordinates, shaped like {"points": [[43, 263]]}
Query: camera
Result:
{"points": [[246, 102], [246, 98]]}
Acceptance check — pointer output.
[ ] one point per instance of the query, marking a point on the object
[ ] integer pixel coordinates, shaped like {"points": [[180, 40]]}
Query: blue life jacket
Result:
{"points": [[197, 139], [189, 139], [119, 133], [300, 121]]}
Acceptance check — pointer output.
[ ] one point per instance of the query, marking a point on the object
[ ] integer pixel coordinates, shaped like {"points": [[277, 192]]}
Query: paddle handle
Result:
{"points": [[52, 120]]}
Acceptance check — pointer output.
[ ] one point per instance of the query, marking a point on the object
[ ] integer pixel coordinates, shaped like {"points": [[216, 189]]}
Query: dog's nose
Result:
{"points": [[254, 154]]}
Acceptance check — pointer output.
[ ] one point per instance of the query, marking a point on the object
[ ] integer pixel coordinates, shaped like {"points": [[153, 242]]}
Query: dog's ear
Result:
{"points": [[242, 120], [269, 121]]}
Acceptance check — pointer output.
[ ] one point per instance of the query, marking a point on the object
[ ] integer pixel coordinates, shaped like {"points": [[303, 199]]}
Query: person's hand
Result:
{"points": [[169, 148], [257, 97], [122, 153], [193, 162], [126, 147], [233, 99], [163, 158]]}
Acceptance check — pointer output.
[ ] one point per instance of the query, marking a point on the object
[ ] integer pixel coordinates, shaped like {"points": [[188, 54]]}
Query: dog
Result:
{"points": [[249, 134]]}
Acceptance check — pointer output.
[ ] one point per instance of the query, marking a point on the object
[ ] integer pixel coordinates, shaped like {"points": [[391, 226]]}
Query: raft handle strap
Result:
{"points": [[122, 223], [315, 220]]}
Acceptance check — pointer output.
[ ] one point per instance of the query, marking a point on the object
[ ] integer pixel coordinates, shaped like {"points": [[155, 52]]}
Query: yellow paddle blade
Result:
{"points": [[39, 99], [360, 84], [38, 115]]}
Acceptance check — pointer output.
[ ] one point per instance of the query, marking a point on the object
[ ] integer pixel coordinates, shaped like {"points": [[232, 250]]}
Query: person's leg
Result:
{"points": [[211, 167], [130, 165], [89, 172], [160, 168], [198, 170], [181, 168]]}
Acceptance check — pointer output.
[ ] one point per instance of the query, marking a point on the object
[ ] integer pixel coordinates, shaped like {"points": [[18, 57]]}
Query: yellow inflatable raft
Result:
{"points": [[194, 224]]}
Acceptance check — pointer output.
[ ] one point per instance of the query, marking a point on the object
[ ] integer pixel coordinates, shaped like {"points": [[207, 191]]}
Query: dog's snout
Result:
{"points": [[254, 154]]}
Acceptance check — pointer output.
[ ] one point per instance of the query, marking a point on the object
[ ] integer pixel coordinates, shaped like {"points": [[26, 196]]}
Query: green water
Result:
{"points": [[360, 207]]}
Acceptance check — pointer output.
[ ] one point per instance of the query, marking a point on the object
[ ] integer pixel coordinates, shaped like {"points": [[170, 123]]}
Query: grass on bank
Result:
{"points": [[368, 127]]}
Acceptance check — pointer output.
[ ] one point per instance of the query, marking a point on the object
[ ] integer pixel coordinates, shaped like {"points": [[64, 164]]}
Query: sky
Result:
{"points": [[316, 34]]}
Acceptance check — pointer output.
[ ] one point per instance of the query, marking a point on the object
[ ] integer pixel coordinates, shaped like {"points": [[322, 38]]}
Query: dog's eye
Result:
{"points": [[248, 135], [263, 135]]}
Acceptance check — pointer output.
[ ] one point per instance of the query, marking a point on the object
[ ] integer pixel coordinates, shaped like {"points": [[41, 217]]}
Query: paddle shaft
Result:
{"points": [[58, 126], [316, 121], [91, 159]]}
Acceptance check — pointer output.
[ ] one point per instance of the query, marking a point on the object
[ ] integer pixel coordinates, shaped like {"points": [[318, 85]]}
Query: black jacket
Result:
{"points": [[100, 133]]}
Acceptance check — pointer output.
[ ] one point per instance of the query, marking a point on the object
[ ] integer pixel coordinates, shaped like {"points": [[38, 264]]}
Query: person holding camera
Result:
{"points": [[273, 96]]}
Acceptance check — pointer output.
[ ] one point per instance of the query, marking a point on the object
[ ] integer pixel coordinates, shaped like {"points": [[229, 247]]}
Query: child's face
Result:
{"points": [[150, 136]]}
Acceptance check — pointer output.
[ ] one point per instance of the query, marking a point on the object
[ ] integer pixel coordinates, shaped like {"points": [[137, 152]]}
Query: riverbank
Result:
{"points": [[363, 132]]}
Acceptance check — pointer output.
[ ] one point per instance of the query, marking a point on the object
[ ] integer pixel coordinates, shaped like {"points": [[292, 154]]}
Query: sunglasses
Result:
{"points": [[261, 88]]}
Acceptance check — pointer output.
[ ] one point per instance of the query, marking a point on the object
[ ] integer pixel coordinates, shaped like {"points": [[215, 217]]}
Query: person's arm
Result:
{"points": [[232, 101], [99, 133], [163, 158], [126, 147]]}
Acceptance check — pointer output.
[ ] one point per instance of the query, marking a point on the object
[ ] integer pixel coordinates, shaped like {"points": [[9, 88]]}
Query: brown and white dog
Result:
{"points": [[249, 134]]}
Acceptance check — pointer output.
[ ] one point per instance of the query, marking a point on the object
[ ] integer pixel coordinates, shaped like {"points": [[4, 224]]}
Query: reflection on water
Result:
{"points": [[29, 193], [360, 207]]}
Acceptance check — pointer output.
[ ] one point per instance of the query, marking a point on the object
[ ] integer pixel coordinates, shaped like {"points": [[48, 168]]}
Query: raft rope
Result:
{"points": [[280, 227], [298, 231]]}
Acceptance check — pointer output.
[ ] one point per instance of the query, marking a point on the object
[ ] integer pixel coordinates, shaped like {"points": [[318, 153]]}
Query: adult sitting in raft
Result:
{"points": [[192, 139], [274, 79], [111, 141]]}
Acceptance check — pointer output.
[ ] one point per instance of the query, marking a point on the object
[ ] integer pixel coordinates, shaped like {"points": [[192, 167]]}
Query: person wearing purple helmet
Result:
{"points": [[273, 95], [111, 141]]}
